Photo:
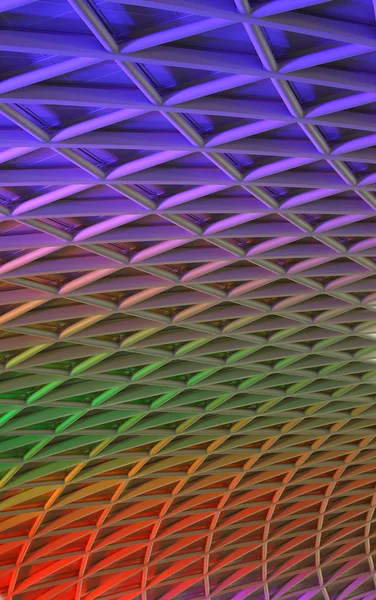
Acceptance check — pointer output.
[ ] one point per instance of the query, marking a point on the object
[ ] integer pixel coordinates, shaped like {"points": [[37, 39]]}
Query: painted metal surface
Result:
{"points": [[187, 300]]}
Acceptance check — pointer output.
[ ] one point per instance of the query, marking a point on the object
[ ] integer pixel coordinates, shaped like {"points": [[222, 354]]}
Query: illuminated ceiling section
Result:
{"points": [[188, 300]]}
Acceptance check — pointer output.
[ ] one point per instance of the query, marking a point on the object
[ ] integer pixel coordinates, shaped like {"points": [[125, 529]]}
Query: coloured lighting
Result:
{"points": [[187, 300]]}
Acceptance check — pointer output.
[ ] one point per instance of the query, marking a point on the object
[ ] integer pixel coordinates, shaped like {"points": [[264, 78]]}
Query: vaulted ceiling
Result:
{"points": [[187, 300]]}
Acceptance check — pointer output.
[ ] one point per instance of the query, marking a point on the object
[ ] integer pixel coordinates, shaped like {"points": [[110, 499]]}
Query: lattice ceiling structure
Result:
{"points": [[188, 300]]}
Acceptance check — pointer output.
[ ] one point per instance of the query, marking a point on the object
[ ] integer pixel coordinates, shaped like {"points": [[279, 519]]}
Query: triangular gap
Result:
{"points": [[287, 132], [291, 546], [67, 262], [313, 334], [83, 208], [169, 465], [31, 418], [329, 101], [262, 90], [145, 17], [76, 519], [312, 219], [61, 356], [361, 289], [281, 42], [146, 21], [10, 551], [188, 256], [55, 575], [318, 166], [99, 492], [122, 510], [238, 270], [360, 590], [232, 34], [340, 552], [176, 296], [267, 478], [126, 279], [193, 543], [365, 110], [352, 343], [299, 158], [351, 318], [192, 160], [18, 229], [164, 421], [207, 124], [192, 589], [140, 21], [355, 228], [13, 131], [152, 223], [211, 482], [303, 474], [16, 385], [262, 228], [248, 132], [170, 77], [287, 252], [107, 159], [289, 258], [107, 72], [176, 369], [356, 64], [349, 12], [224, 311], [330, 271], [31, 157], [16, 446], [24, 62], [319, 303], [142, 443], [348, 241], [115, 559], [213, 200], [122, 363], [116, 469], [116, 329], [147, 122], [278, 290], [275, 564], [66, 253], [59, 117], [193, 566], [133, 139], [342, 203], [304, 92]]}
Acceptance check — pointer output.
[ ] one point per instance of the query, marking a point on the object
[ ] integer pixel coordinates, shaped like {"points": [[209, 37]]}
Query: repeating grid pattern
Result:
{"points": [[188, 298]]}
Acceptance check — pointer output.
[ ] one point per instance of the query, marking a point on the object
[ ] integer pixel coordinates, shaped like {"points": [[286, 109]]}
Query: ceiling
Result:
{"points": [[187, 300]]}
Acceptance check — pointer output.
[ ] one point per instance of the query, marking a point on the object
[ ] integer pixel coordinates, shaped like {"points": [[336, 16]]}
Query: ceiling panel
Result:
{"points": [[187, 300]]}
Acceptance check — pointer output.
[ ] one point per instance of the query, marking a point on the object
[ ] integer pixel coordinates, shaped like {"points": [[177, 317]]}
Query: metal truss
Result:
{"points": [[188, 300]]}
